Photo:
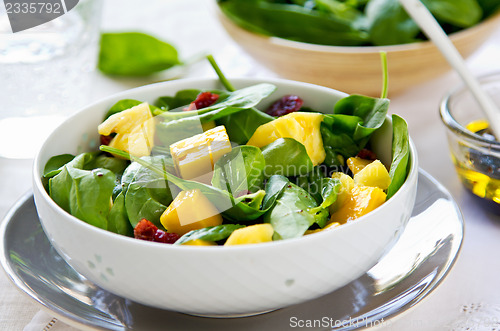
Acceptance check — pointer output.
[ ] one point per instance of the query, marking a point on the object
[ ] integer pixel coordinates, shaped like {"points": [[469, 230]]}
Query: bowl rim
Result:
{"points": [[452, 124], [38, 185], [305, 46]]}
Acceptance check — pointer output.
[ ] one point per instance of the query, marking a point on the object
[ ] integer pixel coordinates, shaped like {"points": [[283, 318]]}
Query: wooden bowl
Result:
{"points": [[356, 69]]}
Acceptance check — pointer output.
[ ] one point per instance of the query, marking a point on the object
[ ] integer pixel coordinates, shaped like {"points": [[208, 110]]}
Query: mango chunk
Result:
{"points": [[355, 164], [134, 128], [361, 201], [345, 191], [190, 210], [194, 157], [252, 234], [374, 174], [200, 242], [301, 126]]}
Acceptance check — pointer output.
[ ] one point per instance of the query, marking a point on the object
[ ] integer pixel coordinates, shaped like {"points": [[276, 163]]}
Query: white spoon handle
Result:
{"points": [[435, 33]]}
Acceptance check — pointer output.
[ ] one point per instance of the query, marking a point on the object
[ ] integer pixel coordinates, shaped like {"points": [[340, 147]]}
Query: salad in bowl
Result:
{"points": [[205, 197], [205, 167]]}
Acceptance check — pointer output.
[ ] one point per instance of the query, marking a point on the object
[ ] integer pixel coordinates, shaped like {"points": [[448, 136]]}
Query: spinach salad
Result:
{"points": [[206, 167], [351, 22]]}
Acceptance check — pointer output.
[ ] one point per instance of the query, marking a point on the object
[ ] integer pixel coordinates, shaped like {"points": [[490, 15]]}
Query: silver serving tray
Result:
{"points": [[414, 267]]}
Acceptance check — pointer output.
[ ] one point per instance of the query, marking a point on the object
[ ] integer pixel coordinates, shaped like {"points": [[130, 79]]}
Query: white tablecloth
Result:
{"points": [[469, 299]]}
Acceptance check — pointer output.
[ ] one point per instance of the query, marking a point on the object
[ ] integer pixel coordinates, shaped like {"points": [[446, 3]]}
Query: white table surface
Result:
{"points": [[468, 299]]}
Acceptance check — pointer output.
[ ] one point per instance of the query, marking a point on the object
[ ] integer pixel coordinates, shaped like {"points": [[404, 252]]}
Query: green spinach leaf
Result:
{"points": [[117, 219], [400, 155], [54, 164], [85, 194], [293, 213], [372, 112], [286, 157], [213, 233], [147, 194], [240, 171], [461, 13], [241, 126], [135, 54], [389, 24]]}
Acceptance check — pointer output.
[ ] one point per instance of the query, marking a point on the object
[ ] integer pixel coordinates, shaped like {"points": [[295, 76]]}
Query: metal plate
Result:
{"points": [[414, 267]]}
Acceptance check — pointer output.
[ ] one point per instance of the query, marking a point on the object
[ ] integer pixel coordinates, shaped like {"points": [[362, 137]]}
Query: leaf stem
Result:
{"points": [[383, 58], [219, 73]]}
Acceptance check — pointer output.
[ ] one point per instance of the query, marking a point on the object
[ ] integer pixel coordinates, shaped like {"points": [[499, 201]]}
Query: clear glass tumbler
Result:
{"points": [[476, 156], [45, 75]]}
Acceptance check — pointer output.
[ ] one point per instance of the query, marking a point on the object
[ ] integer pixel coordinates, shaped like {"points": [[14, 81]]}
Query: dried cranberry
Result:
{"points": [[367, 154], [165, 237], [145, 230], [105, 140], [286, 105], [203, 100]]}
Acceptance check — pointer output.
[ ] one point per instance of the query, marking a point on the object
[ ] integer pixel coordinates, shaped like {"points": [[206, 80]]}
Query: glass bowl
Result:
{"points": [[476, 157]]}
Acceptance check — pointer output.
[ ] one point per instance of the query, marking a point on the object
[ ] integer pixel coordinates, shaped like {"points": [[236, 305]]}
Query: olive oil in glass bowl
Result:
{"points": [[474, 150]]}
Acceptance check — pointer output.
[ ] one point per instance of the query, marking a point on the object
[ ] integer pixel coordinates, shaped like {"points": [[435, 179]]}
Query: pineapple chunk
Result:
{"points": [[303, 127], [134, 128], [252, 234], [200, 242], [374, 174], [362, 200], [355, 164], [190, 210], [194, 157]]}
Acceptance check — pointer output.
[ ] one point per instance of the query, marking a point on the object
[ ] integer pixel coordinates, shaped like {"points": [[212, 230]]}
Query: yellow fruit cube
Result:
{"points": [[200, 242], [194, 157], [134, 128], [345, 191], [301, 126], [374, 174], [190, 210], [362, 200], [355, 164], [252, 234]]}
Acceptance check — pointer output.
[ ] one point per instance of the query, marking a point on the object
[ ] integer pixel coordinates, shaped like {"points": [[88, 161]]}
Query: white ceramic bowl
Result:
{"points": [[218, 280]]}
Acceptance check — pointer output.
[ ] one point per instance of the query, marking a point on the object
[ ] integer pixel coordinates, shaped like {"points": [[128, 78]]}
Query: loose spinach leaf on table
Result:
{"points": [[135, 54], [286, 157], [147, 194], [85, 194], [213, 233], [294, 211], [400, 155], [240, 171]]}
